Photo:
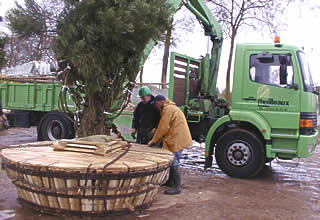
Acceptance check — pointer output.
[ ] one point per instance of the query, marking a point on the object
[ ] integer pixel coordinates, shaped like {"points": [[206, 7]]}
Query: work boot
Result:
{"points": [[169, 182], [176, 189]]}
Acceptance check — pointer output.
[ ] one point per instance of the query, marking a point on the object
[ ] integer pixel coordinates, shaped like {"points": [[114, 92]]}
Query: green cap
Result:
{"points": [[144, 90]]}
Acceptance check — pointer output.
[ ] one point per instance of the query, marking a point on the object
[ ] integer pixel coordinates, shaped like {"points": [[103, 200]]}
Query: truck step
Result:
{"points": [[287, 151]]}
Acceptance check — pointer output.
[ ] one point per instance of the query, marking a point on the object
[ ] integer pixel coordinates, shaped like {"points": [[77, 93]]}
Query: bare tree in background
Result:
{"points": [[178, 27], [1, 18], [166, 53], [141, 74], [314, 5], [239, 15], [33, 28]]}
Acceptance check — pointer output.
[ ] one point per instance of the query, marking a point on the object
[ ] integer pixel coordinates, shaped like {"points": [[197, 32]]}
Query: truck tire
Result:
{"points": [[240, 153], [54, 126]]}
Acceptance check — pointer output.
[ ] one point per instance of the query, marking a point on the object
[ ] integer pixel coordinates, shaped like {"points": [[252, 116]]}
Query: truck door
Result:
{"points": [[270, 88]]}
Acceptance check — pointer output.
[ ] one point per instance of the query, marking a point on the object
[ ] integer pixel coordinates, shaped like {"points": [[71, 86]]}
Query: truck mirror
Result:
{"points": [[284, 59], [283, 74]]}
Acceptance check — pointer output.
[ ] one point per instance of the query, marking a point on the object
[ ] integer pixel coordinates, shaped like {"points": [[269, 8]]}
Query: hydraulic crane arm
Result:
{"points": [[212, 29], [206, 18]]}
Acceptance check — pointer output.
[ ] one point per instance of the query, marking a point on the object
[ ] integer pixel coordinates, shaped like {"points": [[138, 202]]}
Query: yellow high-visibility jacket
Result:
{"points": [[173, 128]]}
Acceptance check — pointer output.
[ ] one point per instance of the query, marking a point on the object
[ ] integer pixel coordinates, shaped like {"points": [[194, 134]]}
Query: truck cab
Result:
{"points": [[273, 111], [277, 95]]}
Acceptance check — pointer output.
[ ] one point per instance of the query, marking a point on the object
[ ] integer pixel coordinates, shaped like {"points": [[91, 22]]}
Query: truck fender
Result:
{"points": [[221, 121], [237, 117], [254, 119]]}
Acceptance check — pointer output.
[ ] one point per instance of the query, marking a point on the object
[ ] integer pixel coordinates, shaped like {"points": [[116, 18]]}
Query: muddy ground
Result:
{"points": [[286, 190]]}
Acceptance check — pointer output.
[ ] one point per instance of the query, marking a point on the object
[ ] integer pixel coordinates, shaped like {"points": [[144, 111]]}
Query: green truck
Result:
{"points": [[36, 104], [273, 110]]}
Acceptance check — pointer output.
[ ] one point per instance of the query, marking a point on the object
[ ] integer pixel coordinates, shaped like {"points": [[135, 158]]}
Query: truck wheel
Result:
{"points": [[240, 153], [56, 125]]}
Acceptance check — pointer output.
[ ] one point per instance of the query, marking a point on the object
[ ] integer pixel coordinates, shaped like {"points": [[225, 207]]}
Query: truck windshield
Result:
{"points": [[306, 73]]}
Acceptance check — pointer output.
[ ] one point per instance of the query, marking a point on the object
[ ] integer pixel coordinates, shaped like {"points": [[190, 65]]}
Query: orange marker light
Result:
{"points": [[264, 130], [305, 123], [277, 39]]}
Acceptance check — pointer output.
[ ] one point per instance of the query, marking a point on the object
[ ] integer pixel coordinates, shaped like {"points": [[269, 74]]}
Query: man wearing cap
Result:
{"points": [[145, 117], [174, 131]]}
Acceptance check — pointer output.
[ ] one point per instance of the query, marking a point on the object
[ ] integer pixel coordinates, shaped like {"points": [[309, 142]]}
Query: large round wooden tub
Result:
{"points": [[75, 179]]}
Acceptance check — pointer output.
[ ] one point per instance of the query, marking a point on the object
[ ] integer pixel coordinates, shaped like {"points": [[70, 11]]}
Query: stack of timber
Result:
{"points": [[91, 176]]}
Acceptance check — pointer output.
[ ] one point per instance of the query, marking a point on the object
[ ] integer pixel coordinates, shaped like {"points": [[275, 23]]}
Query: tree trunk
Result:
{"points": [[227, 93], [166, 56], [11, 58], [38, 55], [141, 74], [92, 120]]}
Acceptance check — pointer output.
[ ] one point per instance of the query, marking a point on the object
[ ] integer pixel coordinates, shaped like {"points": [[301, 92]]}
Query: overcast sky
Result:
{"points": [[303, 31]]}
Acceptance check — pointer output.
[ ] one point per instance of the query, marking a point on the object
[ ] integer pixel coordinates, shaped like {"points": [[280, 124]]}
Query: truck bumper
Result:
{"points": [[307, 145]]}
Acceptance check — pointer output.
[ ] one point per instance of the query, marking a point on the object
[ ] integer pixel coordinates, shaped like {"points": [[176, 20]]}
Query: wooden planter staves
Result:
{"points": [[86, 176]]}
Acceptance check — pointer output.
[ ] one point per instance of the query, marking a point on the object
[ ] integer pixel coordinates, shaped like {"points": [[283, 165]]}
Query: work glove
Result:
{"points": [[133, 133]]}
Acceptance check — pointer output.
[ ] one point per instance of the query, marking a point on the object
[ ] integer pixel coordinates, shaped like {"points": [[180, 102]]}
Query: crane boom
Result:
{"points": [[212, 29]]}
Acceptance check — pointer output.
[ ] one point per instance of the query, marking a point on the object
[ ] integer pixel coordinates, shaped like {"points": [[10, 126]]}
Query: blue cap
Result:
{"points": [[158, 98]]}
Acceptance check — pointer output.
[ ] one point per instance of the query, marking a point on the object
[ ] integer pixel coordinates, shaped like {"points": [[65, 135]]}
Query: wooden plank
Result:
{"points": [[180, 72], [194, 63], [181, 59], [180, 66]]}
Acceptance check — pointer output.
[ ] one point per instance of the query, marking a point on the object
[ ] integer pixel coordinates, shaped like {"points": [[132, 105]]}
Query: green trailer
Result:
{"points": [[36, 104]]}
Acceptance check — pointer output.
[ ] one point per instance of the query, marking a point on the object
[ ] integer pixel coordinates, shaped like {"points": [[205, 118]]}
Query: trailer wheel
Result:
{"points": [[56, 125], [240, 153]]}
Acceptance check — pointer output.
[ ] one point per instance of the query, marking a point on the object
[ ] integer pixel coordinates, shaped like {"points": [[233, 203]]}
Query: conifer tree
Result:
{"points": [[102, 44], [3, 41]]}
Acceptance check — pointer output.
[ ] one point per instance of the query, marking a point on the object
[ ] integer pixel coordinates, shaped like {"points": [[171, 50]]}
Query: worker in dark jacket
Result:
{"points": [[146, 117]]}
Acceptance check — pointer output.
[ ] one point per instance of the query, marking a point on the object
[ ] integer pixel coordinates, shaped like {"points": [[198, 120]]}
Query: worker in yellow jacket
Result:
{"points": [[174, 132]]}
